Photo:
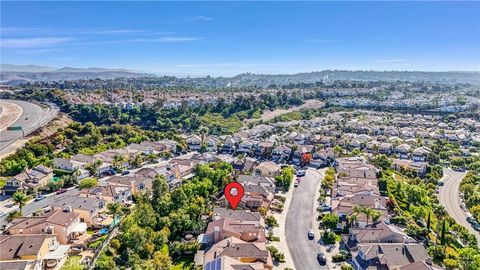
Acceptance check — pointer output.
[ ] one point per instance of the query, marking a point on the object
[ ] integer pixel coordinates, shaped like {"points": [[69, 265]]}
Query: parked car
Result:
{"points": [[326, 207], [470, 219], [301, 173], [62, 190], [10, 205], [476, 225], [463, 206], [310, 234], [295, 184], [125, 172], [39, 198], [2, 214], [321, 258]]}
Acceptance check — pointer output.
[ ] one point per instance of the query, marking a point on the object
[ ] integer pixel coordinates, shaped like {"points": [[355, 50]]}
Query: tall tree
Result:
{"points": [[20, 199]]}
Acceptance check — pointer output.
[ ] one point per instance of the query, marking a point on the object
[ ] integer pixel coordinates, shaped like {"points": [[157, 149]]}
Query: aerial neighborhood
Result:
{"points": [[360, 164]]}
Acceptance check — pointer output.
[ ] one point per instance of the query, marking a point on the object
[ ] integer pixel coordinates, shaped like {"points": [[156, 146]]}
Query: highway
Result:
{"points": [[300, 218], [33, 117], [449, 197]]}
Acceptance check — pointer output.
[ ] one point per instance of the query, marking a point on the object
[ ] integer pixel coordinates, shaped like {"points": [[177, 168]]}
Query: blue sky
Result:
{"points": [[227, 38]]}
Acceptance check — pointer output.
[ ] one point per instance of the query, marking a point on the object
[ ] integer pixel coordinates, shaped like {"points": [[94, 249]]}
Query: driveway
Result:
{"points": [[300, 218], [449, 197]]}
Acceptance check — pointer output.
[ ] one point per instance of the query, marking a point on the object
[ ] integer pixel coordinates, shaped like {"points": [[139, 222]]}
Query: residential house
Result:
{"points": [[65, 225], [194, 142], [39, 250], [249, 253], [420, 154], [109, 193], [87, 208], [419, 168], [281, 153], [389, 255], [377, 232], [403, 150], [222, 228], [29, 180], [263, 149], [211, 143], [268, 169]]}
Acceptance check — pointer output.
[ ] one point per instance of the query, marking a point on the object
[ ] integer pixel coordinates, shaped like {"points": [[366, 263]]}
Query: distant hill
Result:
{"points": [[27, 68], [249, 79], [14, 74]]}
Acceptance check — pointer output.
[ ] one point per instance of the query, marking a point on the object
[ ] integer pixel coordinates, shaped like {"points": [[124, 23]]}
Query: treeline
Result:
{"points": [[221, 117], [76, 138]]}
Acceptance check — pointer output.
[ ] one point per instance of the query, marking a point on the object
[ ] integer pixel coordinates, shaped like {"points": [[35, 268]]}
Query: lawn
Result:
{"points": [[73, 263]]}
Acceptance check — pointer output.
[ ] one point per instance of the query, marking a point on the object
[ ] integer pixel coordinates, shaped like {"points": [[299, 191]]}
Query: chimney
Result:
{"points": [[216, 234]]}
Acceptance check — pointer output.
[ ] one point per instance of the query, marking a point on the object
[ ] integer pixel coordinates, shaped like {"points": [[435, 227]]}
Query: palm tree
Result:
{"points": [[375, 215], [117, 160], [114, 209], [20, 199], [351, 220]]}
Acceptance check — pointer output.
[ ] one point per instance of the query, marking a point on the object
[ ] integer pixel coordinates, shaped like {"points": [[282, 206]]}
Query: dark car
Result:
{"points": [[321, 258], [470, 219], [125, 172], [62, 190], [476, 225]]}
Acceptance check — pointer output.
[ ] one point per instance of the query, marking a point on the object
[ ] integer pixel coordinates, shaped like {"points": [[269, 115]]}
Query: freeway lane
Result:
{"points": [[449, 197], [300, 218], [33, 117]]}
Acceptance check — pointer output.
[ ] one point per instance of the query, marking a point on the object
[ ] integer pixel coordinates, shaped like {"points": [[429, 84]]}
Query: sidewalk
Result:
{"points": [[318, 232], [280, 231]]}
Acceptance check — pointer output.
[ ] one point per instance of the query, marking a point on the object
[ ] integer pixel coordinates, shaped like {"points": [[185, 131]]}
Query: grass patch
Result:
{"points": [[217, 124], [2, 182], [73, 262]]}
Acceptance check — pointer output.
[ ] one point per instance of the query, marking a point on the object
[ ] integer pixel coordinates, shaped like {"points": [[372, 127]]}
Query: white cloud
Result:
{"points": [[116, 31], [165, 39], [39, 42], [390, 60]]}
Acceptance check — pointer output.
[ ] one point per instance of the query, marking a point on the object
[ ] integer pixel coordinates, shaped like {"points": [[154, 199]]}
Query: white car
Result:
{"points": [[301, 173], [310, 234], [2, 214]]}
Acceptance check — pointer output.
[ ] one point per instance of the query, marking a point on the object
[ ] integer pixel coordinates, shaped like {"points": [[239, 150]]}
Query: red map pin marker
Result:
{"points": [[234, 193]]}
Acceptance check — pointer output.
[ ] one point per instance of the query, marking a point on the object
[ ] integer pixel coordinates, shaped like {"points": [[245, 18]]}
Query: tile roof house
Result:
{"points": [[246, 252], [29, 180], [268, 169], [40, 250], [389, 255], [87, 208], [377, 232], [222, 228], [109, 193], [64, 225]]}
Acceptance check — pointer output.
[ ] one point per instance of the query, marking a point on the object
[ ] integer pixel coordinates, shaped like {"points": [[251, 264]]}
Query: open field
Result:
{"points": [[309, 104]]}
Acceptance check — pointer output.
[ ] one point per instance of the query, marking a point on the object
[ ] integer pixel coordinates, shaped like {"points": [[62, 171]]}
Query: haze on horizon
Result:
{"points": [[229, 38]]}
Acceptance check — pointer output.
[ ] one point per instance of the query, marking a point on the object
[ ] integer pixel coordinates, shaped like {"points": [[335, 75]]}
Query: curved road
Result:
{"points": [[449, 197], [33, 117], [300, 218]]}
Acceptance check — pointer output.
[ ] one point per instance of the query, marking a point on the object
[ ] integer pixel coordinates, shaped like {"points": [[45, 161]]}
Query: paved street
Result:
{"points": [[449, 197], [31, 207], [33, 117], [300, 218]]}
